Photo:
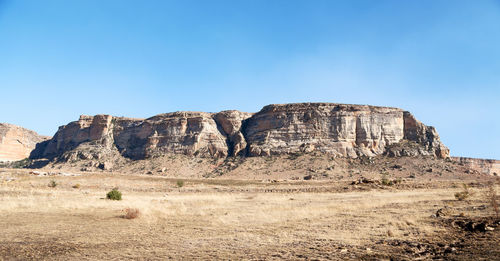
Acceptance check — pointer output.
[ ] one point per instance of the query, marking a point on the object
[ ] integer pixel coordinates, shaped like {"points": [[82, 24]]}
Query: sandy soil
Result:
{"points": [[243, 219]]}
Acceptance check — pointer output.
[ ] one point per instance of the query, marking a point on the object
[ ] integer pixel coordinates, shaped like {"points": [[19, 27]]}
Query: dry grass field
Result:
{"points": [[242, 219]]}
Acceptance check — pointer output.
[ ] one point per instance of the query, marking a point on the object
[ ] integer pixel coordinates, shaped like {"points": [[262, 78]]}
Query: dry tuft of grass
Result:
{"points": [[52, 184], [131, 213], [463, 195], [491, 196]]}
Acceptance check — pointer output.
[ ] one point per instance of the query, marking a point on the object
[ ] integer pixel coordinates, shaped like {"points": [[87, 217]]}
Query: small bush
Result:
{"points": [[385, 181], [294, 156], [76, 186], [491, 196], [131, 213], [52, 184], [114, 195], [463, 195], [20, 163], [180, 183]]}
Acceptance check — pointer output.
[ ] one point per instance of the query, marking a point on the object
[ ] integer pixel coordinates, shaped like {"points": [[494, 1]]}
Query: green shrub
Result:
{"points": [[180, 183], [114, 195], [76, 186], [21, 163], [52, 184]]}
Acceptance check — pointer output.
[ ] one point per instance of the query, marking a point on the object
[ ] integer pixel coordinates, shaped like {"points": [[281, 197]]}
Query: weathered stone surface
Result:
{"points": [[340, 129], [426, 136], [484, 166], [337, 129], [16, 143], [94, 129], [231, 123], [190, 133]]}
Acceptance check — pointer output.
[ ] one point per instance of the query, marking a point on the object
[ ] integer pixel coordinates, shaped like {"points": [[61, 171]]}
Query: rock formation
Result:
{"points": [[16, 143], [343, 130], [484, 166], [337, 129]]}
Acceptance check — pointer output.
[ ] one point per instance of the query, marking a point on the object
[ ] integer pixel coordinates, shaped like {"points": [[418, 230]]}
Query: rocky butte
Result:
{"points": [[16, 143], [341, 130]]}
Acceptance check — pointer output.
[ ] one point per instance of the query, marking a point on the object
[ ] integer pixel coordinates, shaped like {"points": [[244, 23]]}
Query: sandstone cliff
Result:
{"points": [[483, 166], [337, 129], [16, 143]]}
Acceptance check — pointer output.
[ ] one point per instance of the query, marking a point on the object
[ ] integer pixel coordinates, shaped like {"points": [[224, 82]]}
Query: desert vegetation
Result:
{"points": [[356, 217], [114, 194]]}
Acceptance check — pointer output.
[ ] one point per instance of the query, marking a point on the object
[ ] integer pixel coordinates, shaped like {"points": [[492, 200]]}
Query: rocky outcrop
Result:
{"points": [[426, 136], [231, 124], [337, 129], [16, 142], [189, 133], [484, 166]]}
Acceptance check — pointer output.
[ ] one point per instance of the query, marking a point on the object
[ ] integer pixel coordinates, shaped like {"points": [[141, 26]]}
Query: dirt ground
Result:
{"points": [[221, 218]]}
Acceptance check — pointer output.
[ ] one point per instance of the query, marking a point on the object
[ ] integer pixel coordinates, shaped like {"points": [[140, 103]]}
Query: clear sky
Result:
{"points": [[438, 59]]}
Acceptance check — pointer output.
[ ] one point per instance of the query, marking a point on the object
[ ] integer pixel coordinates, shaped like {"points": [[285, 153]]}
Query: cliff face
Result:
{"points": [[484, 166], [343, 130], [337, 129], [16, 143]]}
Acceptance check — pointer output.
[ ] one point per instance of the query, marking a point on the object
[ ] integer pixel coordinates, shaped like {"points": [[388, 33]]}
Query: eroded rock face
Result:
{"points": [[16, 143], [337, 129], [231, 124], [189, 133], [343, 130], [484, 166], [426, 136]]}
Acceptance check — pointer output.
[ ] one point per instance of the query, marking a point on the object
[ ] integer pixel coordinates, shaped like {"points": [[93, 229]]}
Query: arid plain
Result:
{"points": [[346, 210]]}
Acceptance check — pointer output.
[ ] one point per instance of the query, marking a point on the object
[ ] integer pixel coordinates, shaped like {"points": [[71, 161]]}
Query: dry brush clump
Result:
{"points": [[491, 197], [52, 184], [131, 213], [463, 195], [387, 182]]}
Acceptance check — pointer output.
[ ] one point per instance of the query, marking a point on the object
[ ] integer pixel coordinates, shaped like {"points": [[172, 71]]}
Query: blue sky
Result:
{"points": [[438, 59]]}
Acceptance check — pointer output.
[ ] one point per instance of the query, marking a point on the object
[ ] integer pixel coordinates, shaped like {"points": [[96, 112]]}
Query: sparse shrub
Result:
{"points": [[295, 155], [385, 181], [52, 184], [491, 196], [463, 195], [76, 186], [131, 213], [20, 163], [180, 183], [114, 194]]}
